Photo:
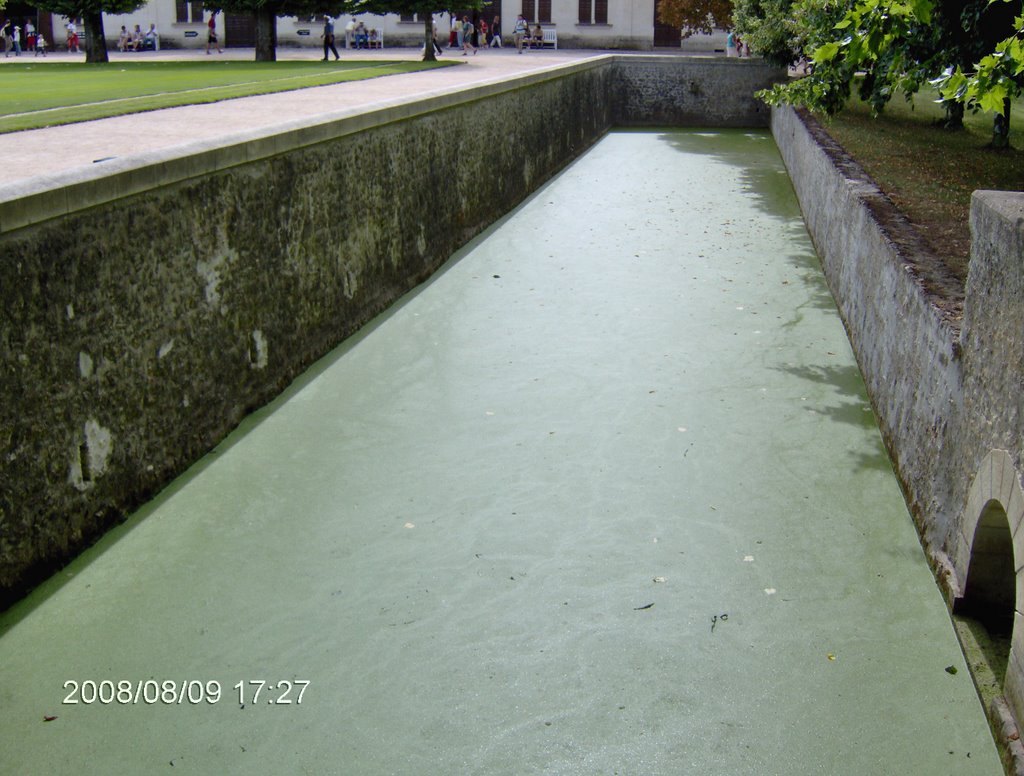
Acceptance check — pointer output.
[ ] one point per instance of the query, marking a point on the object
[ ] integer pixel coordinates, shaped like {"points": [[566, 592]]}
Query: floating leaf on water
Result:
{"points": [[770, 591], [410, 525], [641, 608], [659, 579], [950, 670], [831, 656]]}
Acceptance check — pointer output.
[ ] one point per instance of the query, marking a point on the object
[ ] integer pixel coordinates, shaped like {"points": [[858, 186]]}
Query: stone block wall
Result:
{"points": [[698, 92], [945, 372], [137, 332], [149, 305]]}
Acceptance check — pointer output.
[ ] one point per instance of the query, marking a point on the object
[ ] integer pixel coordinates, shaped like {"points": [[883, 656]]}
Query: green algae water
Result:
{"points": [[605, 496]]}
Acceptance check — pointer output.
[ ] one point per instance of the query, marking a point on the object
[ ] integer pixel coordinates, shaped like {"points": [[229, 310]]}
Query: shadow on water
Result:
{"points": [[851, 407], [754, 160]]}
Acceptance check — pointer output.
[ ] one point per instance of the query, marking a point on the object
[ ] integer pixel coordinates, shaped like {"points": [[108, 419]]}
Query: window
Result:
{"points": [[185, 12], [593, 11], [537, 11]]}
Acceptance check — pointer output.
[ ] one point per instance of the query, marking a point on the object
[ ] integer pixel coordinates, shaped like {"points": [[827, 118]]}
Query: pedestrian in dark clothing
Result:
{"points": [[328, 36]]}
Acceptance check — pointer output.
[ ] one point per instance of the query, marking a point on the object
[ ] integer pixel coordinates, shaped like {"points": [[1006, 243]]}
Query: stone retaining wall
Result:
{"points": [[151, 303], [945, 372]]}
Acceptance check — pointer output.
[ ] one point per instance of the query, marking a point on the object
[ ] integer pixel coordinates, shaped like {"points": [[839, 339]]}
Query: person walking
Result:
{"points": [[433, 37], [16, 40], [520, 32], [328, 36], [496, 32], [72, 37], [467, 36], [211, 34]]}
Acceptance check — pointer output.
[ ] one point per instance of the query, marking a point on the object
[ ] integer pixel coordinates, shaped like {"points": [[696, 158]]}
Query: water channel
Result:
{"points": [[605, 496]]}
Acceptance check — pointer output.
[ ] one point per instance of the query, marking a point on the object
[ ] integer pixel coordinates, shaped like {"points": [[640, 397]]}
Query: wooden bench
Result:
{"points": [[550, 39]]}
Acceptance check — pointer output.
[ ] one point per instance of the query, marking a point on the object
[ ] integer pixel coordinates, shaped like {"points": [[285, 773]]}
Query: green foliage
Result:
{"points": [[899, 45], [784, 31], [79, 9], [873, 37], [998, 77]]}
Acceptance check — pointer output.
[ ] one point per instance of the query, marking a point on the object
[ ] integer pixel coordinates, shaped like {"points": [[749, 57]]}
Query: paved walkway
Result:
{"points": [[56, 149]]}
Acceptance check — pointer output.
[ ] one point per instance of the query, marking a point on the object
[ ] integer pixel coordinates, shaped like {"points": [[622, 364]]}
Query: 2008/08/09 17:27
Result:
{"points": [[282, 692]]}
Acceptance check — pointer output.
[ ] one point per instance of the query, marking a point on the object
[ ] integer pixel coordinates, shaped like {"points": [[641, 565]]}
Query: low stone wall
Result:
{"points": [[150, 303], [945, 372], [647, 92]]}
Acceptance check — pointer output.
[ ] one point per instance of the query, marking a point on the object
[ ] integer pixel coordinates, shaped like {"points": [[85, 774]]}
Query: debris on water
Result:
{"points": [[716, 618], [770, 591], [748, 558], [831, 656], [659, 579], [49, 717], [410, 525], [951, 670], [496, 276], [641, 608]]}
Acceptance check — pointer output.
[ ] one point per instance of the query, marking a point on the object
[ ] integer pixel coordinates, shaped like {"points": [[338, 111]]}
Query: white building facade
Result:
{"points": [[590, 24]]}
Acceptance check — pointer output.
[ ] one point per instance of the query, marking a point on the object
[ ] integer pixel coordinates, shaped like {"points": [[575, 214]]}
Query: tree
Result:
{"points": [[898, 46], [91, 13], [693, 16], [996, 80], [781, 31], [265, 13]]}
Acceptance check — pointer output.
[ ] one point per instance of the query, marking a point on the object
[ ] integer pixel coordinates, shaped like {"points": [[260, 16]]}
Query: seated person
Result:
{"points": [[374, 38], [137, 38], [152, 39], [124, 39], [537, 38], [362, 37]]}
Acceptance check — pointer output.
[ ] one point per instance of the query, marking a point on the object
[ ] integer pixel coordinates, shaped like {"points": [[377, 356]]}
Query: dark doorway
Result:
{"points": [[239, 30], [665, 35]]}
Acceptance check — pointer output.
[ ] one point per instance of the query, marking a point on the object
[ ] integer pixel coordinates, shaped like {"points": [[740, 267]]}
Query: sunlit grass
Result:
{"points": [[930, 172], [46, 94]]}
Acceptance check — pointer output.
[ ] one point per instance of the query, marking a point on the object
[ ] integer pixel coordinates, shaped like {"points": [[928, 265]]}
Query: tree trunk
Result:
{"points": [[954, 114], [95, 42], [266, 34], [1001, 127], [428, 39]]}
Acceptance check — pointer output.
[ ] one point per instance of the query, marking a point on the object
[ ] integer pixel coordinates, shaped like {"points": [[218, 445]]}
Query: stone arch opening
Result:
{"points": [[990, 590]]}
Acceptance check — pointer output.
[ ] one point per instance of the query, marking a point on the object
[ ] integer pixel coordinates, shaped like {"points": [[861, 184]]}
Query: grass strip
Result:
{"points": [[43, 95], [929, 172]]}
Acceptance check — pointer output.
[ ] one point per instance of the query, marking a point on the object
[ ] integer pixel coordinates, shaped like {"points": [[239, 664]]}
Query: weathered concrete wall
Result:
{"points": [[703, 92], [138, 332], [148, 305], [901, 309], [945, 372]]}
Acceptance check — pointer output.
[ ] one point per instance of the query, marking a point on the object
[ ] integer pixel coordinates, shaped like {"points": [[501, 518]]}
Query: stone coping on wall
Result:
{"points": [[40, 199]]}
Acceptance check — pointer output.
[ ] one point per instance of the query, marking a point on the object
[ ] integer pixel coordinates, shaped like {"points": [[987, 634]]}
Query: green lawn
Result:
{"points": [[46, 94], [930, 172]]}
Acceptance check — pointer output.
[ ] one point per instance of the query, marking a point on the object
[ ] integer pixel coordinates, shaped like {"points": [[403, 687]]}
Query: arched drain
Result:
{"points": [[986, 608]]}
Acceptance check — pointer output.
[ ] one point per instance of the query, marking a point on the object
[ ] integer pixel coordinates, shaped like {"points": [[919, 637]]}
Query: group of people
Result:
{"points": [[468, 36], [734, 47], [526, 38], [10, 39], [137, 40]]}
